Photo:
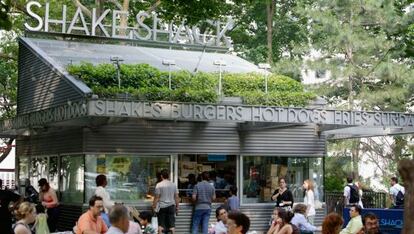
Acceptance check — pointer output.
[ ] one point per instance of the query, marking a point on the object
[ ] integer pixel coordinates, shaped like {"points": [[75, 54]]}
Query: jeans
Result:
{"points": [[202, 216]]}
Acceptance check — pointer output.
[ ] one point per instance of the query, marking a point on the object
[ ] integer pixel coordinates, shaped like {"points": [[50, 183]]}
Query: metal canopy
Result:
{"points": [[74, 52]]}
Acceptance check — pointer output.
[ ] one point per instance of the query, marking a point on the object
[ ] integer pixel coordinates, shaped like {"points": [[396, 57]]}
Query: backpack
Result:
{"points": [[354, 194], [399, 199]]}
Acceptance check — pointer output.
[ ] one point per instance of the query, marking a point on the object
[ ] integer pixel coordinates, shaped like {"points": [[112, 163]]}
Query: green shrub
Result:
{"points": [[144, 82]]}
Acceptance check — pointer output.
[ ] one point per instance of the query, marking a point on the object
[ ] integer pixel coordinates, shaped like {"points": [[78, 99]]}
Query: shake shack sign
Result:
{"points": [[114, 23], [243, 113]]}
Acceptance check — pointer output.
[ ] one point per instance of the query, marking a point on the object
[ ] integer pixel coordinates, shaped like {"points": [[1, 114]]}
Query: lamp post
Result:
{"points": [[169, 63], [116, 61], [219, 63], [266, 68]]}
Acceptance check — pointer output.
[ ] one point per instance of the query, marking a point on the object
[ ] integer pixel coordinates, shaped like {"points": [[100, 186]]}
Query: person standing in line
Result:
{"points": [[6, 197], [397, 194], [203, 195], [118, 216], [100, 191], [309, 200], [233, 202], [26, 214], [283, 196], [167, 199], [49, 200]]}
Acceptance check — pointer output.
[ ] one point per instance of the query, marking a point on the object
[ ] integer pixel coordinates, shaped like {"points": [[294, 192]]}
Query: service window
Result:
{"points": [[222, 169], [131, 178]]}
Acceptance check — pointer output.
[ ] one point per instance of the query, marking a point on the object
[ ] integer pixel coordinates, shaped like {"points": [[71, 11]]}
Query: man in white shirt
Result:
{"points": [[394, 190], [349, 193], [118, 216]]}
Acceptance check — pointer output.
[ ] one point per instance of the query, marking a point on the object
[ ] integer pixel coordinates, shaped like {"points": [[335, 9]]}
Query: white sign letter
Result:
{"points": [[62, 22], [98, 22], [34, 15], [72, 26]]}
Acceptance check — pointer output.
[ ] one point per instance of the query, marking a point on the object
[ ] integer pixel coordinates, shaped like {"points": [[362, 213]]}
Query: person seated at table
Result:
{"points": [[355, 224], [221, 225], [91, 222], [299, 219]]}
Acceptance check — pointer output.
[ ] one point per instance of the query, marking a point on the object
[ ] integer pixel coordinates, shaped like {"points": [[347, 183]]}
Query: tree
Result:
{"points": [[358, 46]]}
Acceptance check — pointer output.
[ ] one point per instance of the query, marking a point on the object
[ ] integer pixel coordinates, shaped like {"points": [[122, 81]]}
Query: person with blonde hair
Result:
{"points": [[309, 200], [25, 214]]}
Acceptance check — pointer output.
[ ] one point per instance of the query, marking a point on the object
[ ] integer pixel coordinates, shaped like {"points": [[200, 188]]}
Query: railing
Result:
{"points": [[335, 201]]}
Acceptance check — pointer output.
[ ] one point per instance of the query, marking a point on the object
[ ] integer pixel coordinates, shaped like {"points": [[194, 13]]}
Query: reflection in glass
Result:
{"points": [[53, 172], [38, 169], [261, 174], [131, 178], [23, 163], [72, 171]]}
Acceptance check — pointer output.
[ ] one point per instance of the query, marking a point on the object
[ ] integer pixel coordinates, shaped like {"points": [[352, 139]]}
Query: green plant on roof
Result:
{"points": [[143, 82]]}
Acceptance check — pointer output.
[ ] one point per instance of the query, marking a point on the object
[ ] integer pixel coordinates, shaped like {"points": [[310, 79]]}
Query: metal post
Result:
{"points": [[116, 61], [220, 63], [266, 68], [169, 63]]}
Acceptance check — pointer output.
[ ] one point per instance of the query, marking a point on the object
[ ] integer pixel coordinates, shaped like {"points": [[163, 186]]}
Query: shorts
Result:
{"points": [[166, 217]]}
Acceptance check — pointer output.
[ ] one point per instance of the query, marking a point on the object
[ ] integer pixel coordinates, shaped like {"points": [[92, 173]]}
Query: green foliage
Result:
{"points": [[8, 75], [144, 82], [333, 184]]}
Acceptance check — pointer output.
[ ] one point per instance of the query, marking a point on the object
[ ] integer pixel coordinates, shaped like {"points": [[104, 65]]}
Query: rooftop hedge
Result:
{"points": [[144, 82]]}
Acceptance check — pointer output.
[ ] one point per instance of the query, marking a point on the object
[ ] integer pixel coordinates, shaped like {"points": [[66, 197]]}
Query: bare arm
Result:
{"points": [[154, 203], [177, 201]]}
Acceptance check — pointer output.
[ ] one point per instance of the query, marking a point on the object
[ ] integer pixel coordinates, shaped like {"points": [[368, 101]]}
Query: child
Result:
{"points": [[233, 202], [145, 221]]}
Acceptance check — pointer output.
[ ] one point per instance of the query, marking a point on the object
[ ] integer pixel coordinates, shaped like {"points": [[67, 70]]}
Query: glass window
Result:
{"points": [[38, 169], [261, 175], [23, 163], [72, 172], [222, 170], [131, 178], [53, 172]]}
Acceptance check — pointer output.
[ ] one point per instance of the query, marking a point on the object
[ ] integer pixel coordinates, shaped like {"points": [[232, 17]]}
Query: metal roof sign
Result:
{"points": [[90, 108], [157, 31], [244, 113]]}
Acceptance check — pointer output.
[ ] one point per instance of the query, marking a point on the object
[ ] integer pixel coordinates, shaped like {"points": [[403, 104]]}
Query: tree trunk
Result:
{"points": [[124, 19], [355, 159], [270, 11], [406, 170]]}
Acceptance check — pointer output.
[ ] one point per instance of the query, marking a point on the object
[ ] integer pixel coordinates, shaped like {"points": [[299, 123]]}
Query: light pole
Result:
{"points": [[169, 63], [266, 68], [219, 63], [115, 60]]}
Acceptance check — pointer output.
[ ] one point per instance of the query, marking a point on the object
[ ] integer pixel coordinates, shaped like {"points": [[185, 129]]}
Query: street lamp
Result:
{"points": [[219, 63], [266, 68], [169, 63], [116, 61]]}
